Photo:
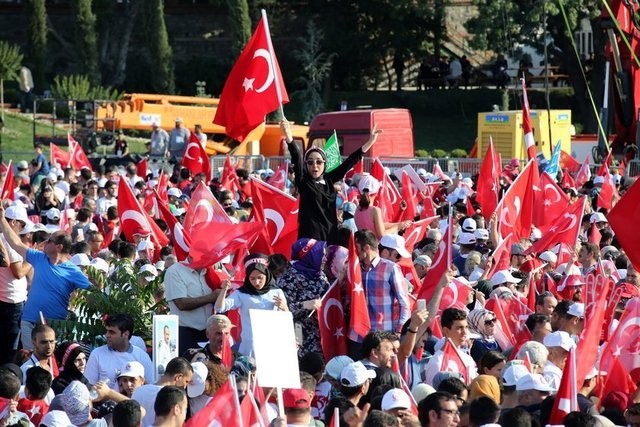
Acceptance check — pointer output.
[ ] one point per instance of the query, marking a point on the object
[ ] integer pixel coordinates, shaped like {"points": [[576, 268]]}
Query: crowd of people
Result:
{"points": [[481, 346]]}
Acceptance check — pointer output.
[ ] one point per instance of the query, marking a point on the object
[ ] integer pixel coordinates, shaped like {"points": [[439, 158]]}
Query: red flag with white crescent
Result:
{"points": [[439, 266], [488, 184], [584, 173], [416, 232], [333, 336], [204, 208], [229, 178], [409, 213], [254, 87], [59, 157], [624, 344], [550, 202], [529, 141], [277, 211], [179, 237], [566, 400], [359, 324], [196, 158], [134, 220], [515, 210], [78, 159], [452, 361]]}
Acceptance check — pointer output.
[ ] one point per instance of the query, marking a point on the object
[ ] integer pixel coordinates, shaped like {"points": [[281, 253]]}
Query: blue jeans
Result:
{"points": [[10, 315]]}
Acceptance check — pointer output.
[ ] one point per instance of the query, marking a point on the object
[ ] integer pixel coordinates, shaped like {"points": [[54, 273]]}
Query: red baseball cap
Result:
{"points": [[296, 398]]}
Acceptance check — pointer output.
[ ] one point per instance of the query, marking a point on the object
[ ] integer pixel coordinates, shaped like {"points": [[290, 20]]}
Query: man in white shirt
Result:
{"points": [[559, 344], [178, 373], [454, 327], [109, 199], [106, 361], [43, 339], [171, 407], [191, 299], [13, 293]]}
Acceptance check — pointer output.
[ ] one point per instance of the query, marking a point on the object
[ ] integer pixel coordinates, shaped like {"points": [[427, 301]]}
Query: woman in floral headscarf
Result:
{"points": [[304, 283], [483, 323]]}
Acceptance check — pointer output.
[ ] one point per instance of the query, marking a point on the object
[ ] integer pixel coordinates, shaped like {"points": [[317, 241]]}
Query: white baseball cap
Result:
{"points": [[355, 374], [100, 264], [532, 382], [598, 179], [368, 182], [175, 192], [481, 233], [195, 387], [132, 369], [151, 271], [469, 225], [395, 399], [503, 276], [467, 238], [53, 213], [80, 260], [559, 339], [16, 212], [394, 241], [549, 256], [576, 309], [334, 367], [513, 373], [597, 217]]}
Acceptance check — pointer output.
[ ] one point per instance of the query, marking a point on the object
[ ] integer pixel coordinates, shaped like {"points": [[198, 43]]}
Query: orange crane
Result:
{"points": [[138, 111]]}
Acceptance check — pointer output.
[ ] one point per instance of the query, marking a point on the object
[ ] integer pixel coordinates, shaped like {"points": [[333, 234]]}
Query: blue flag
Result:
{"points": [[553, 167]]}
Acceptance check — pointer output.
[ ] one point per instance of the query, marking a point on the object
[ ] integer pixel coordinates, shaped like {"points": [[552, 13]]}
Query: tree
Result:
{"points": [[36, 14], [10, 60], [240, 25], [501, 25], [316, 67], [85, 40], [162, 78]]}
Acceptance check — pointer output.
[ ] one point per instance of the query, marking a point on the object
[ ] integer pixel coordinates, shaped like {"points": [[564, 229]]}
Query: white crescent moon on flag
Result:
{"points": [[277, 219], [505, 212], [409, 238], [264, 53], [331, 302], [178, 236], [554, 190], [137, 217], [442, 250], [202, 203], [571, 224], [189, 147]]}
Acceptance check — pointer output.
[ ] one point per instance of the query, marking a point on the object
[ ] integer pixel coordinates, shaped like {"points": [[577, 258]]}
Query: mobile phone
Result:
{"points": [[421, 304]]}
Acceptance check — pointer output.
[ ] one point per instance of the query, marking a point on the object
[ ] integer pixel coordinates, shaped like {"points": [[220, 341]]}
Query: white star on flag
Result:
{"points": [[248, 84]]}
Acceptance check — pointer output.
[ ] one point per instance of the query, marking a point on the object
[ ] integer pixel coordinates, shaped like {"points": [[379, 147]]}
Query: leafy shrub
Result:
{"points": [[120, 293], [438, 153], [79, 87], [422, 153], [458, 152]]}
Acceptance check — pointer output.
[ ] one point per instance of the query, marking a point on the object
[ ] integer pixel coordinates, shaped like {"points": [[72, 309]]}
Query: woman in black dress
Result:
{"points": [[317, 216]]}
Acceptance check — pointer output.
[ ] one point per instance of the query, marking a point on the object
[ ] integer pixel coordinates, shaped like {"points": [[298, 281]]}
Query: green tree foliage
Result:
{"points": [[316, 67], [85, 39], [10, 60], [363, 33], [161, 70], [240, 25], [122, 292], [503, 25], [36, 15], [80, 87]]}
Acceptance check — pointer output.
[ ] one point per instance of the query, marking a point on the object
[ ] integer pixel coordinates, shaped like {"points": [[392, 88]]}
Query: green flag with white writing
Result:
{"points": [[332, 151]]}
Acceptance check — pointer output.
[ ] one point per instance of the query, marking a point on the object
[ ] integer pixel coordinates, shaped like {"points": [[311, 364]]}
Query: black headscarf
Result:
{"points": [[258, 262]]}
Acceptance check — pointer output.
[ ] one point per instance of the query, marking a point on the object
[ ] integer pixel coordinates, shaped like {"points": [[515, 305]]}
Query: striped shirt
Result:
{"points": [[385, 289]]}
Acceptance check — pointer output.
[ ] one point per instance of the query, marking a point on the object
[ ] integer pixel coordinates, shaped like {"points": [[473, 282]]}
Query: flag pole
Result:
{"points": [[323, 297], [271, 52]]}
